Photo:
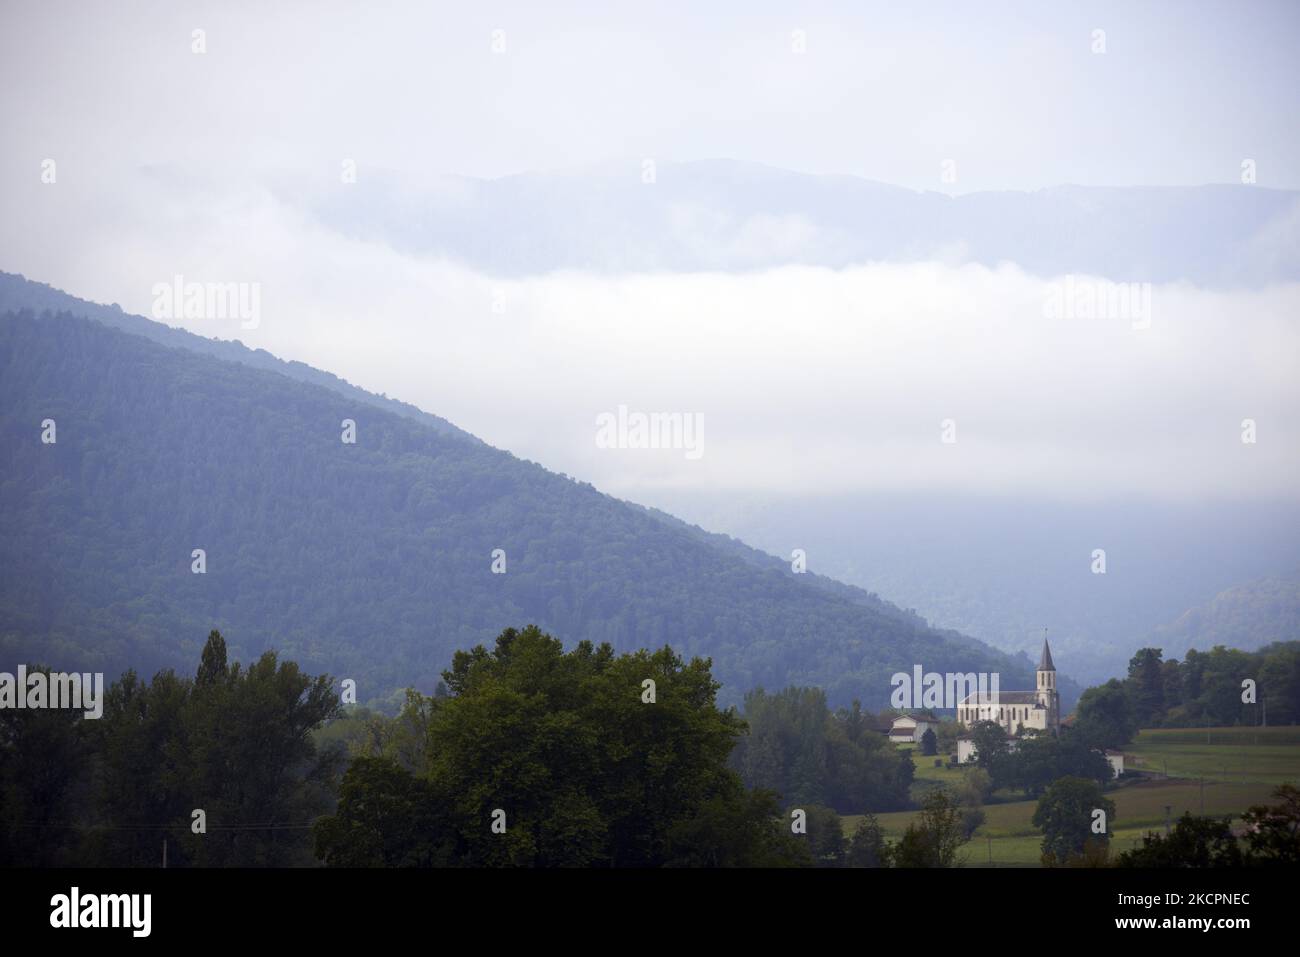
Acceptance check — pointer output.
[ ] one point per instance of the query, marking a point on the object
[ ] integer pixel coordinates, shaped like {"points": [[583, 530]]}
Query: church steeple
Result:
{"points": [[1047, 696]]}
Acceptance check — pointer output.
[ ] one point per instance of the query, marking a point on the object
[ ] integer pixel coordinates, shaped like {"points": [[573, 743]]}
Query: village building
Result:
{"points": [[909, 728], [1015, 711], [1116, 761]]}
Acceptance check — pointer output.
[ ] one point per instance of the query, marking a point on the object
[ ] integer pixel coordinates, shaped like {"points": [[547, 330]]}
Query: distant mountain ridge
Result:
{"points": [[627, 216], [1247, 616], [372, 560], [1003, 568]]}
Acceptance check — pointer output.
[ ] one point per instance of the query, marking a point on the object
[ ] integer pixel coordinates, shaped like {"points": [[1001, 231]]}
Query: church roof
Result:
{"points": [[1004, 697], [1045, 662]]}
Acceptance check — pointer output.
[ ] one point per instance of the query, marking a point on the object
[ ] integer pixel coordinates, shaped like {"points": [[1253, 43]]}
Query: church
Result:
{"points": [[1015, 711]]}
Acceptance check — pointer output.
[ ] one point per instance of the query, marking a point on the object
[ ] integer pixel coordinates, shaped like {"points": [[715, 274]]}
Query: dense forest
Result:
{"points": [[371, 560]]}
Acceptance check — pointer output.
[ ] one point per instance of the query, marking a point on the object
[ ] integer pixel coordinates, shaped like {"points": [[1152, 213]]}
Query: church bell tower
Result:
{"points": [[1047, 694]]}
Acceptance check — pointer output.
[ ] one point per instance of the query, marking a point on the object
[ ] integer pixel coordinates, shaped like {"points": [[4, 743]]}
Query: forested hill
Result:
{"points": [[18, 293], [370, 560], [1247, 617]]}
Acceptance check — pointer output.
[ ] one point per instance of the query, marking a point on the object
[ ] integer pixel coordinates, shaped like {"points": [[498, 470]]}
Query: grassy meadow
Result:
{"points": [[1217, 771]]}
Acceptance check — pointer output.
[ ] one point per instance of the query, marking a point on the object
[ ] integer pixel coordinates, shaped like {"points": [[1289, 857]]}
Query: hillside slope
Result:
{"points": [[372, 560], [1247, 616]]}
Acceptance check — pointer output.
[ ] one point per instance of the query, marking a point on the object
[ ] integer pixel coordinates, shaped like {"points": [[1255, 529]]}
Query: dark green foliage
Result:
{"points": [[1204, 690], [1193, 842], [1065, 814], [971, 819], [39, 797], [798, 748], [906, 772], [736, 828], [370, 561], [1037, 758], [825, 836], [1273, 833], [867, 847], [933, 840], [386, 817], [929, 743], [1146, 686], [1106, 716], [587, 770], [1040, 759], [234, 742], [991, 751]]}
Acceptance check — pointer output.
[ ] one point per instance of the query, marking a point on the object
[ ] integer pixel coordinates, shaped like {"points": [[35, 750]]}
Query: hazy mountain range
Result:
{"points": [[1247, 616], [1003, 569], [1001, 566], [626, 217]]}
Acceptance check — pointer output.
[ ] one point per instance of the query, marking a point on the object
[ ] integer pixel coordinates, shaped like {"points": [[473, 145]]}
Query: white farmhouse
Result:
{"points": [[909, 728]]}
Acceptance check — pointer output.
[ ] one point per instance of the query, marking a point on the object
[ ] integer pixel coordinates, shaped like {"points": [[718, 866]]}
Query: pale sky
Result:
{"points": [[1012, 92]]}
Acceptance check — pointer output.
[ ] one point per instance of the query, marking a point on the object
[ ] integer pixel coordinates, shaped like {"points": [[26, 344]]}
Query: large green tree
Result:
{"points": [[992, 750], [1148, 684], [1105, 716], [933, 839], [1066, 814], [581, 758]]}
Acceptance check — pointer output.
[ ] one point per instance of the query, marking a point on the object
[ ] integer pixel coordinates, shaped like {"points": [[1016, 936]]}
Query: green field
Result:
{"points": [[1218, 771]]}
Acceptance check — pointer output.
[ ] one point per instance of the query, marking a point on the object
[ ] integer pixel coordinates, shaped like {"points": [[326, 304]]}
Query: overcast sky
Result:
{"points": [[807, 379], [1013, 92]]}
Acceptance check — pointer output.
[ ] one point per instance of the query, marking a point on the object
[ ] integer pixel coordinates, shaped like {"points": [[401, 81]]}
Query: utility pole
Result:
{"points": [[1202, 795], [164, 853], [1168, 808]]}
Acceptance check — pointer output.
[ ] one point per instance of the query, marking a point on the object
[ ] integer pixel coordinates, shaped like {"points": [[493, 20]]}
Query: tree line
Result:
{"points": [[528, 755], [234, 744], [1219, 688]]}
